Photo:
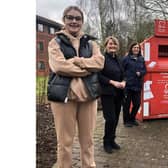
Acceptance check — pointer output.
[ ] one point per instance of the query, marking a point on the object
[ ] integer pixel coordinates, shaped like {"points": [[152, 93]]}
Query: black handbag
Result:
{"points": [[57, 88]]}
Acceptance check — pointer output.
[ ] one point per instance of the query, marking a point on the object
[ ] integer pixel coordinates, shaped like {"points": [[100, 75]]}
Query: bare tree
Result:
{"points": [[159, 8], [128, 20], [92, 19]]}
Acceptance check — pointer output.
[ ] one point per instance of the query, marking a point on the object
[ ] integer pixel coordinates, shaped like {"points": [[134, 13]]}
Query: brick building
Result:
{"points": [[45, 30]]}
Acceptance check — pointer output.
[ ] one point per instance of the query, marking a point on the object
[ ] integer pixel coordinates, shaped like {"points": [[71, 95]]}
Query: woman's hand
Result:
{"points": [[138, 74], [77, 61], [115, 83], [120, 85]]}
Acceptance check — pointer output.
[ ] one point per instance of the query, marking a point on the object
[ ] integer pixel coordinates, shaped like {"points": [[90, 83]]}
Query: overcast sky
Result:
{"points": [[52, 9]]}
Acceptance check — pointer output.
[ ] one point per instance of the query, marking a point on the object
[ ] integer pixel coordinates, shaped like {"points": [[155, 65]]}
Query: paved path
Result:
{"points": [[145, 146]]}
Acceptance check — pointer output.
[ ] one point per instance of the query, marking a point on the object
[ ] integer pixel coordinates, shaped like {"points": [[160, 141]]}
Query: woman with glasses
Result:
{"points": [[75, 59]]}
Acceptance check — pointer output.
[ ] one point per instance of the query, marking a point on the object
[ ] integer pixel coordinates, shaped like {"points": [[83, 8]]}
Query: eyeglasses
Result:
{"points": [[70, 17]]}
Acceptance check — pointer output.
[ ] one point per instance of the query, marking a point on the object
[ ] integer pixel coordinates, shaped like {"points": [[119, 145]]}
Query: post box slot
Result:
{"points": [[163, 51]]}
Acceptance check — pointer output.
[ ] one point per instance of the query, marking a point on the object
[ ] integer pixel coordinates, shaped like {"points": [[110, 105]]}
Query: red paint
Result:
{"points": [[157, 73]]}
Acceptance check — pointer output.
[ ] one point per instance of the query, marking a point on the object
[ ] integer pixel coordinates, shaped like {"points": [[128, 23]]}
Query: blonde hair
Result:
{"points": [[69, 8], [114, 39]]}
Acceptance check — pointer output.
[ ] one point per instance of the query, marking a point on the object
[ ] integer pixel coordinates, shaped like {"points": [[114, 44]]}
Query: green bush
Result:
{"points": [[41, 89]]}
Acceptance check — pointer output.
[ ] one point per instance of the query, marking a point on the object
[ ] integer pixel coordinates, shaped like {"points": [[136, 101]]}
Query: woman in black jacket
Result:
{"points": [[134, 68], [112, 84]]}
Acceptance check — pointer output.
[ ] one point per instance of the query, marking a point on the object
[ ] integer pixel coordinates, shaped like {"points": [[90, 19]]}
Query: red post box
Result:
{"points": [[154, 102]]}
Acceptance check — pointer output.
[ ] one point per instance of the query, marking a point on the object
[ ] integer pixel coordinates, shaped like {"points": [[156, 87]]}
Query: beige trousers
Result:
{"points": [[66, 116]]}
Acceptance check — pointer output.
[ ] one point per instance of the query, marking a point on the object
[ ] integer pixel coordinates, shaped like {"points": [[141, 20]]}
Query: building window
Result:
{"points": [[41, 65], [40, 46], [40, 27], [163, 51], [51, 30]]}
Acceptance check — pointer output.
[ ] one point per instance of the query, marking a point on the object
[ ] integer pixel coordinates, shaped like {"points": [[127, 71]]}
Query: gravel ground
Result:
{"points": [[45, 138], [145, 146]]}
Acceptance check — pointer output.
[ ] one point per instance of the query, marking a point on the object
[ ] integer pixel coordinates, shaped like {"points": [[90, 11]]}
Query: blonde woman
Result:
{"points": [[112, 84]]}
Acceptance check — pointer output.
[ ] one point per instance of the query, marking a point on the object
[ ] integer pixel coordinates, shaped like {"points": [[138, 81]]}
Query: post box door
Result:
{"points": [[159, 87]]}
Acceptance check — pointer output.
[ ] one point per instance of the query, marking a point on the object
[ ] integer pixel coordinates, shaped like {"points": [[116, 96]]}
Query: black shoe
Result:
{"points": [[114, 145], [134, 123], [108, 149], [128, 124]]}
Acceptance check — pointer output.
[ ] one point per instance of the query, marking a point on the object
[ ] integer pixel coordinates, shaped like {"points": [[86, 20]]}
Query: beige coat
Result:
{"points": [[73, 67]]}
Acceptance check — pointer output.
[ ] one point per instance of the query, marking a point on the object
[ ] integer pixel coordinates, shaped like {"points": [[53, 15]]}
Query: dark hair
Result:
{"points": [[69, 8], [131, 46]]}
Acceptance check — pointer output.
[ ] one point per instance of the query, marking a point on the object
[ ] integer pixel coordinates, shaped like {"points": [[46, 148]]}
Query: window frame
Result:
{"points": [[39, 48], [40, 27], [41, 66], [51, 29]]}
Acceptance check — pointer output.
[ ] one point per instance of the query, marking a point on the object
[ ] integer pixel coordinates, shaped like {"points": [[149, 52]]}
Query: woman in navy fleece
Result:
{"points": [[135, 69]]}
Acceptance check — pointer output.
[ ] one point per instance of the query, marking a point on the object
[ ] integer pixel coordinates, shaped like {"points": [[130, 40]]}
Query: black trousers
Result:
{"points": [[135, 98], [111, 110]]}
